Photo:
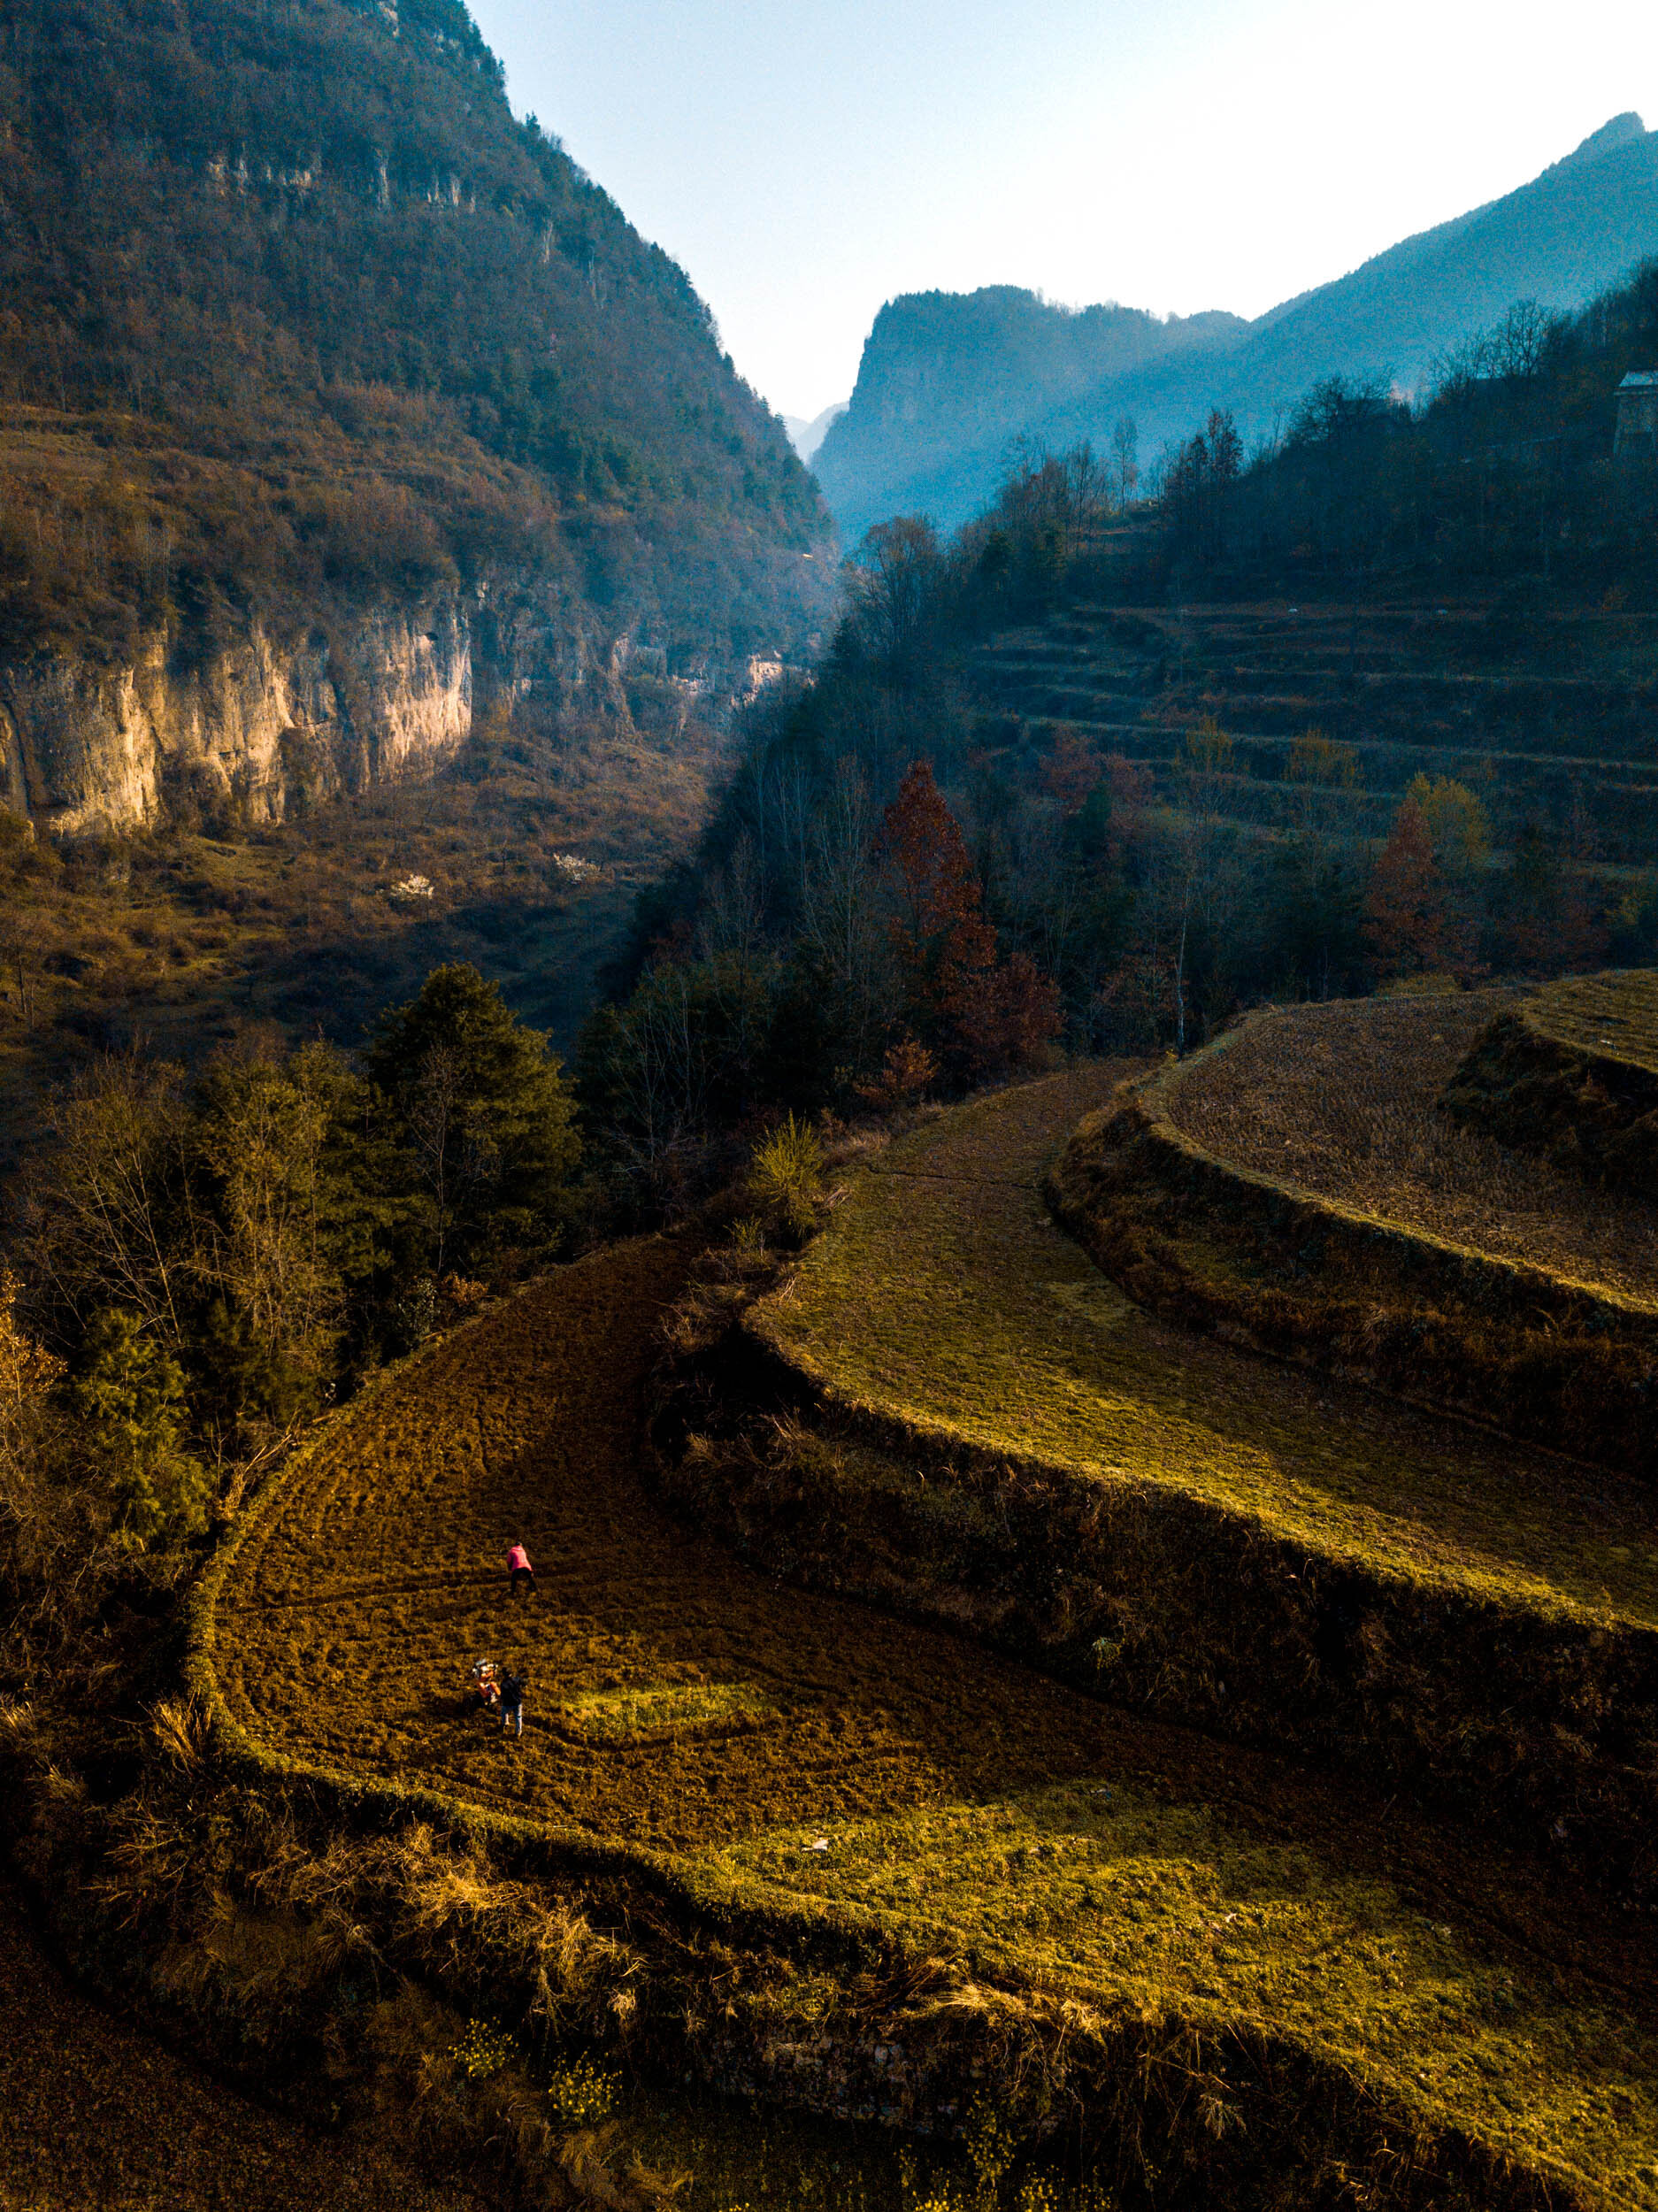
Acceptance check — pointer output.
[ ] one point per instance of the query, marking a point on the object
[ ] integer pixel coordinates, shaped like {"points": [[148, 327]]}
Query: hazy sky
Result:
{"points": [[806, 162]]}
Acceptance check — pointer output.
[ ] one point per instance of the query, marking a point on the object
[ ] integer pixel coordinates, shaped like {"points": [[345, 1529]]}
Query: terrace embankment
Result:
{"points": [[995, 1436], [1570, 1076], [1547, 714], [96, 2117], [1296, 1188], [1259, 1980]]}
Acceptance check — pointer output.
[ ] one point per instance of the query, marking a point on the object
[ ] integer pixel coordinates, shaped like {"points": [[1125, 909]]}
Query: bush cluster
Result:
{"points": [[212, 1262]]}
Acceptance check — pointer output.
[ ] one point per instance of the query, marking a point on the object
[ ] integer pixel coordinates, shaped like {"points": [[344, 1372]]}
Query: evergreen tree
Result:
{"points": [[128, 1396], [482, 1115]]}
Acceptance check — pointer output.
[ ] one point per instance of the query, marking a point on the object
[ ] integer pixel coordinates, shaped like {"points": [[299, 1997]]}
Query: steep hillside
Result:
{"points": [[948, 379], [332, 398], [1572, 230], [1545, 717]]}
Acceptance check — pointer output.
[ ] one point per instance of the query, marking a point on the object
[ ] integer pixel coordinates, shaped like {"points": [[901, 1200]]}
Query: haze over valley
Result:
{"points": [[948, 384]]}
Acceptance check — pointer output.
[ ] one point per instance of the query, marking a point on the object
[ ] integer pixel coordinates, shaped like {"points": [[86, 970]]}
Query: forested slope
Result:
{"points": [[299, 326]]}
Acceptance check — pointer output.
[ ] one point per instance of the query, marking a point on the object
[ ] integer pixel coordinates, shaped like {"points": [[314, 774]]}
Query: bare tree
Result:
{"points": [[892, 578], [108, 1212], [262, 1132], [842, 923], [1125, 460]]}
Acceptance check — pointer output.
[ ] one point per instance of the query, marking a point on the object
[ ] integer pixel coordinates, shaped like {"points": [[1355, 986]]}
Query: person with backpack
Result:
{"points": [[513, 1688]]}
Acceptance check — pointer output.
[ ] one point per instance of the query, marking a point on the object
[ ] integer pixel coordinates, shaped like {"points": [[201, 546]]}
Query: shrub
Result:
{"points": [[483, 2050], [908, 1073], [127, 1395], [582, 2093], [787, 1178]]}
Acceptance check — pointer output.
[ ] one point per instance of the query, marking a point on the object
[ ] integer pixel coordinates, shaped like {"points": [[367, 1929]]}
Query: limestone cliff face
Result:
{"points": [[238, 734]]}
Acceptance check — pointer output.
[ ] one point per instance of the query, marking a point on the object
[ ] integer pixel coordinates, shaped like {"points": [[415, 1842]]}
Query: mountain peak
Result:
{"points": [[1623, 130]]}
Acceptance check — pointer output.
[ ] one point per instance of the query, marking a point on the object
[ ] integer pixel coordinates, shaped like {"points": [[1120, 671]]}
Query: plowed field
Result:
{"points": [[352, 1622], [828, 1752], [1615, 1016]]}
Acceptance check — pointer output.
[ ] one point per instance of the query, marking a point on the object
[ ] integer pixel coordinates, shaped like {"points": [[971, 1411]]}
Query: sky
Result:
{"points": [[805, 163]]}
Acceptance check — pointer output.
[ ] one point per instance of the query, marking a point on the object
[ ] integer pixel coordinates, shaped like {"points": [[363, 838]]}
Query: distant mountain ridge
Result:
{"points": [[949, 381], [806, 437]]}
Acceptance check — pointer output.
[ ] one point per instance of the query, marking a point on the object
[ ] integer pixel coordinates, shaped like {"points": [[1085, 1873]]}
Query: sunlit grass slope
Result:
{"points": [[795, 1751], [1343, 1102], [1615, 1015], [943, 1296]]}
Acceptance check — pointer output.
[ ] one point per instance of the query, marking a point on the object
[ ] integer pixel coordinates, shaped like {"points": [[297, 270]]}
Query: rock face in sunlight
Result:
{"points": [[331, 399], [245, 735]]}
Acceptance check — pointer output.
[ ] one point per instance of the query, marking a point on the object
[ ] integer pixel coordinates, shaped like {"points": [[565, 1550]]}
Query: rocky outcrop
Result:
{"points": [[239, 733]]}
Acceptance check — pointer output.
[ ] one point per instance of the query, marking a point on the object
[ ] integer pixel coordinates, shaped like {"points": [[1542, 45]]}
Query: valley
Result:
{"points": [[987, 1067]]}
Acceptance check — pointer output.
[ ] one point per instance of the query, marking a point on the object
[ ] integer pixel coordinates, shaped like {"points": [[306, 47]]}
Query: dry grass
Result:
{"points": [[1608, 1017], [944, 1296], [190, 940], [95, 2117], [1343, 1102], [960, 1801]]}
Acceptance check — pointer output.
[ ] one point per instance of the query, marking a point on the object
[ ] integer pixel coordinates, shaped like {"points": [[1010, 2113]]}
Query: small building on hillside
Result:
{"points": [[1636, 437]]}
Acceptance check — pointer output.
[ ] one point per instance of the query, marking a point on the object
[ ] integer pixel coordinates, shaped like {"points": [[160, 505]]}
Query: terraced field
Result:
{"points": [[798, 1751], [1615, 1016], [945, 1296], [1342, 1102], [1548, 718]]}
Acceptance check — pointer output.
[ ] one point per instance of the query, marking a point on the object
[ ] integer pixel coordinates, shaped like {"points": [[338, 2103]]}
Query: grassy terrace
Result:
{"points": [[799, 1751], [1339, 1102], [1614, 1017], [945, 1297]]}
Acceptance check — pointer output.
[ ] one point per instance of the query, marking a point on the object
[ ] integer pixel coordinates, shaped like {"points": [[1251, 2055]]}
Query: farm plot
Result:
{"points": [[945, 1297], [1343, 1101], [1613, 1016], [802, 1751], [674, 1698]]}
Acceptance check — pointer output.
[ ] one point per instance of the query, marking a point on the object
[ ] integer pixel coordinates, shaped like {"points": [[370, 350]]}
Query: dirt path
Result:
{"points": [[95, 2117]]}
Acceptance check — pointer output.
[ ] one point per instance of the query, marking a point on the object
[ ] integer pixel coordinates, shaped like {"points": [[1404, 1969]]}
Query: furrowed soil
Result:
{"points": [[945, 1297], [97, 2117], [1343, 1102], [1615, 1016], [800, 1749]]}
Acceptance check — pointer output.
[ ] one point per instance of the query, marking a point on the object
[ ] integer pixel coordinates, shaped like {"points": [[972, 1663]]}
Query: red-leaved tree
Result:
{"points": [[1412, 921], [986, 1015]]}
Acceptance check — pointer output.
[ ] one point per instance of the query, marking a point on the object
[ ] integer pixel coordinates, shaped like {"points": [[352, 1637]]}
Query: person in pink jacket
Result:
{"points": [[520, 1569]]}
